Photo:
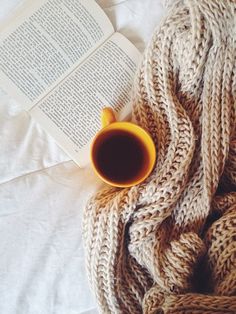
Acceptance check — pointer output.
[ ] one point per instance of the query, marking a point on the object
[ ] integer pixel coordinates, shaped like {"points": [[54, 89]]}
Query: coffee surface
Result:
{"points": [[120, 156]]}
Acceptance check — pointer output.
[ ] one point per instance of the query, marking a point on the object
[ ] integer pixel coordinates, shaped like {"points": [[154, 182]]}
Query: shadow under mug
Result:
{"points": [[122, 153]]}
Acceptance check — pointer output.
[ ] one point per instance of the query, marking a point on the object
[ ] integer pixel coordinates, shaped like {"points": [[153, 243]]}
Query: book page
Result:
{"points": [[46, 42], [71, 112]]}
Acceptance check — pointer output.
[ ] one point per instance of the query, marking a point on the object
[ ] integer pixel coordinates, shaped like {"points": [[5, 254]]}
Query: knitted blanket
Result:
{"points": [[168, 245]]}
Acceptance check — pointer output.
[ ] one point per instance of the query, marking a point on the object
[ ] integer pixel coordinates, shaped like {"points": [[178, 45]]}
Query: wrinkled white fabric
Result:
{"points": [[42, 195]]}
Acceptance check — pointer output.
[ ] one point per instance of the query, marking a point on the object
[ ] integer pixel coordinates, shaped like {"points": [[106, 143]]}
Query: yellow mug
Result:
{"points": [[122, 153]]}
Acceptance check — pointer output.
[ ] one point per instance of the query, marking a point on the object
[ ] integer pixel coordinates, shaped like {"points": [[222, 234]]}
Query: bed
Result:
{"points": [[43, 193]]}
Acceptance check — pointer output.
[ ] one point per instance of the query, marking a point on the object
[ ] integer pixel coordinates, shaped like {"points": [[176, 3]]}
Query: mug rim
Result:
{"points": [[122, 125]]}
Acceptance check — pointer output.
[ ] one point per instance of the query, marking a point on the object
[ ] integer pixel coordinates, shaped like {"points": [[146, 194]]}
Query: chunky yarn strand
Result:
{"points": [[168, 245]]}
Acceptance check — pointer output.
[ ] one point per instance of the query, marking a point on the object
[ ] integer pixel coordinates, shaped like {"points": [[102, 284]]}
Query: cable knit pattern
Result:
{"points": [[168, 245]]}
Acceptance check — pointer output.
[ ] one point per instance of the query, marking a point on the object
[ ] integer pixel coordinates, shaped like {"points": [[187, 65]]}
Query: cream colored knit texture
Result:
{"points": [[168, 245]]}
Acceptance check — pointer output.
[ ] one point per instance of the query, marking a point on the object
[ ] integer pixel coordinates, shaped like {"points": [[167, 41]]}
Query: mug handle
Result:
{"points": [[107, 116]]}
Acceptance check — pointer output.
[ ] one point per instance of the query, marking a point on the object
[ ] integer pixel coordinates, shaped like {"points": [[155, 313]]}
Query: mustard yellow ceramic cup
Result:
{"points": [[122, 153]]}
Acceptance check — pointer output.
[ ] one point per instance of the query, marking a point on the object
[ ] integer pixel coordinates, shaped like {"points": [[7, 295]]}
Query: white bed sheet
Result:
{"points": [[42, 195]]}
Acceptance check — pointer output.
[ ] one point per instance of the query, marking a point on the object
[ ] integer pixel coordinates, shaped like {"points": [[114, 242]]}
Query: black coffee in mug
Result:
{"points": [[122, 153], [120, 156]]}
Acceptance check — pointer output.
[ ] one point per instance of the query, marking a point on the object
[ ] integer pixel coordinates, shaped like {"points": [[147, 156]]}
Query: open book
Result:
{"points": [[62, 60]]}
